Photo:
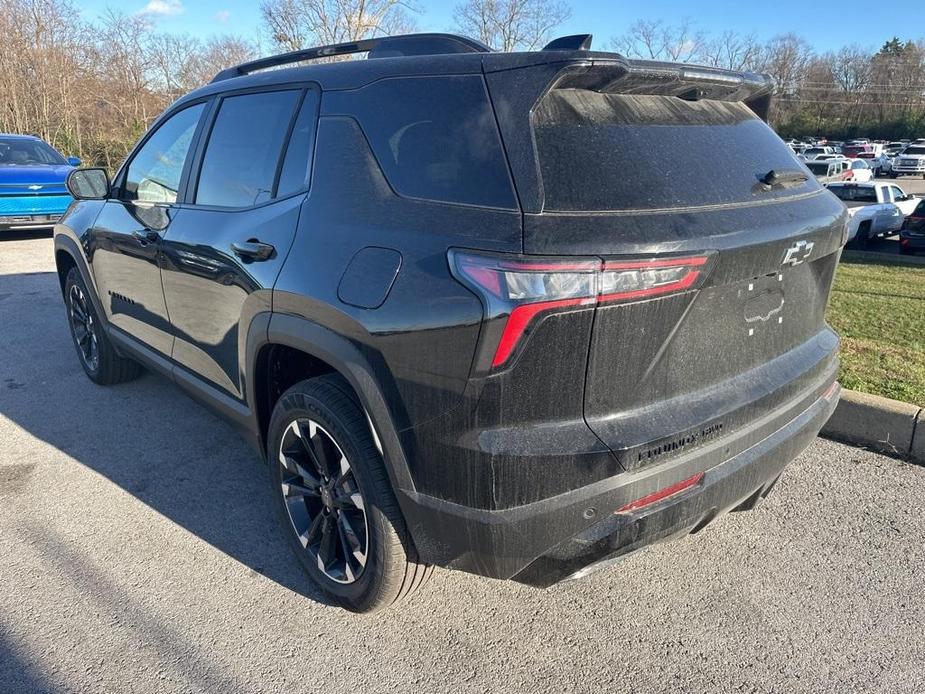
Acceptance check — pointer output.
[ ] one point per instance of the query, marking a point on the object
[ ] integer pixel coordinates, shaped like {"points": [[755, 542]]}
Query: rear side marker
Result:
{"points": [[662, 494], [519, 289]]}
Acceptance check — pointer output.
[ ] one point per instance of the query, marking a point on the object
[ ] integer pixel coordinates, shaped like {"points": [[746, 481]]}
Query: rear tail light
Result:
{"points": [[518, 291]]}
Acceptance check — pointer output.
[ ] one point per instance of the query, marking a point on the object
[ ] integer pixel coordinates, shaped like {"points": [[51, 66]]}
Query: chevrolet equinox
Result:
{"points": [[515, 314]]}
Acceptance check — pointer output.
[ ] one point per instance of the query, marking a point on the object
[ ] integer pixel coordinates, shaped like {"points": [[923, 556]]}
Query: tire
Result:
{"points": [[97, 356], [313, 422]]}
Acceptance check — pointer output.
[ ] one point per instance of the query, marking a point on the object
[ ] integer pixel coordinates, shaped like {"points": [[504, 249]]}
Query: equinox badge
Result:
{"points": [[798, 253]]}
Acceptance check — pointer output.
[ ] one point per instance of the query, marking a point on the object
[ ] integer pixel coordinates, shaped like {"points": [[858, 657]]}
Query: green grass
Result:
{"points": [[879, 311]]}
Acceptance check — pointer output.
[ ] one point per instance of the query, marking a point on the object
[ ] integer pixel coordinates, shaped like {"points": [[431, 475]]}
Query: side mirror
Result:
{"points": [[73, 161], [88, 184]]}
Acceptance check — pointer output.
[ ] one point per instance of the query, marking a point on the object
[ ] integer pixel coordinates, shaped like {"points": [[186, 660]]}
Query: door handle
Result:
{"points": [[252, 249], [146, 236]]}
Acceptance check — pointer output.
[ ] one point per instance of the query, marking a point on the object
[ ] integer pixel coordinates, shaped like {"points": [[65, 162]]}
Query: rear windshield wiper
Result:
{"points": [[787, 178]]}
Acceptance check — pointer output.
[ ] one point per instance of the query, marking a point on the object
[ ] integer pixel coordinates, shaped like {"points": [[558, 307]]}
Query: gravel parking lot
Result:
{"points": [[140, 554]]}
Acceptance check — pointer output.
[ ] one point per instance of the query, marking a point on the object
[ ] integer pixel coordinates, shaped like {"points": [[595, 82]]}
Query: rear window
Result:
{"points": [[436, 138], [854, 194], [617, 151], [820, 168]]}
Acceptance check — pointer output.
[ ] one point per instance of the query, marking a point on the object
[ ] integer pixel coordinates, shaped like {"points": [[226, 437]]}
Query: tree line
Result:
{"points": [[91, 87]]}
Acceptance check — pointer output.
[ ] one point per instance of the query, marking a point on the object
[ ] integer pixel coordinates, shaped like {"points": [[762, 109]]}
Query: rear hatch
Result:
{"points": [[642, 164]]}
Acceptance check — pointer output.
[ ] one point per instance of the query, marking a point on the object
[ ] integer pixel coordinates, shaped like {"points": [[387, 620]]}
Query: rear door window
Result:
{"points": [[244, 148], [605, 152]]}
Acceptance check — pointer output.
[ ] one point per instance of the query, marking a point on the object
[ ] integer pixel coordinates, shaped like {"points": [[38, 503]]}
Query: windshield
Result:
{"points": [[21, 152], [915, 150], [819, 168]]}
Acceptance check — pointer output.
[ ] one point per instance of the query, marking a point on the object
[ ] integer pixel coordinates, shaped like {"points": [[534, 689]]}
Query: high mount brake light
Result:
{"points": [[518, 290]]}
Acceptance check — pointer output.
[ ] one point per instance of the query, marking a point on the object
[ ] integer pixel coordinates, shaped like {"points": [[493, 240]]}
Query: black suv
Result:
{"points": [[513, 314]]}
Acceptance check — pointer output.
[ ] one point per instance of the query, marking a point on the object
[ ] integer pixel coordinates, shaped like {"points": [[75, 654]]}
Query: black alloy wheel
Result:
{"points": [[84, 328], [323, 501]]}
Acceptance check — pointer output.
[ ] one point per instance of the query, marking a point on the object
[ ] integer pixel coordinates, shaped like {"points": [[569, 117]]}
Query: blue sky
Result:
{"points": [[827, 25]]}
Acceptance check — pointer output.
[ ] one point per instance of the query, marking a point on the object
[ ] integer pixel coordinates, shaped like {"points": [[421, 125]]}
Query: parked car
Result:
{"points": [[812, 152], [853, 150], [859, 171], [910, 162], [876, 209], [32, 191], [912, 234], [829, 170], [880, 164], [458, 333]]}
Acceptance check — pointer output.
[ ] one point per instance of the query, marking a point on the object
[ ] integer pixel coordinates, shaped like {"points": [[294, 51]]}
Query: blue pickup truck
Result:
{"points": [[32, 175]]}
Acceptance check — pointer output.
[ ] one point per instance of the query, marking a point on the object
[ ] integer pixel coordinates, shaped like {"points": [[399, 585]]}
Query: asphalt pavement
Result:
{"points": [[139, 553]]}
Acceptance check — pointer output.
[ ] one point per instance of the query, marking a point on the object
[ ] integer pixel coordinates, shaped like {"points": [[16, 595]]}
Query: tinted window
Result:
{"points": [[897, 193], [154, 173], [917, 150], [436, 138], [919, 210], [297, 164], [854, 194], [243, 152], [618, 152]]}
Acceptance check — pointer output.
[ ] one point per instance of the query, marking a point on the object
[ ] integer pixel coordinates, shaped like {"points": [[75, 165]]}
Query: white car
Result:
{"points": [[910, 162], [860, 171], [812, 152], [881, 164]]}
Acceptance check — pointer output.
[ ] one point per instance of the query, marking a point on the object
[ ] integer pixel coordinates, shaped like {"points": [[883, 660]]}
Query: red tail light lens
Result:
{"points": [[662, 494], [518, 291]]}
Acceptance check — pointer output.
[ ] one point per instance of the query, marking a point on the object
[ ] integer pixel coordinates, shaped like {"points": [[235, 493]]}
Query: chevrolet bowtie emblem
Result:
{"points": [[798, 253], [34, 187]]}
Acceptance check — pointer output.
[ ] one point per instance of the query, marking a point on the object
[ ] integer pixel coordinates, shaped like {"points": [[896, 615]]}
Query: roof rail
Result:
{"points": [[383, 47], [577, 42]]}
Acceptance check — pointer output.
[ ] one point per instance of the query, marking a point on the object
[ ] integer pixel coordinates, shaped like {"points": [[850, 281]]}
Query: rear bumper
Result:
{"points": [[554, 539]]}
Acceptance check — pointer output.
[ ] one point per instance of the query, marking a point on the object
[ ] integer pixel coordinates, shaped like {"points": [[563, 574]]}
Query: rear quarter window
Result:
{"points": [[622, 152], [436, 138]]}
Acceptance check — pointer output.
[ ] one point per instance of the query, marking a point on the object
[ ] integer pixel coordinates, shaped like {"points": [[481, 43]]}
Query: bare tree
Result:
{"points": [[511, 25], [295, 24], [656, 40], [731, 51]]}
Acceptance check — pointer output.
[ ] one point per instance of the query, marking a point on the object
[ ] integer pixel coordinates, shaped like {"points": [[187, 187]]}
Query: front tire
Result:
{"points": [[99, 359], [335, 500]]}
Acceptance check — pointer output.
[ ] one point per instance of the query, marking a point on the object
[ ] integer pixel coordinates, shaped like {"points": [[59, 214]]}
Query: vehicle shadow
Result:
{"points": [[17, 674], [145, 436]]}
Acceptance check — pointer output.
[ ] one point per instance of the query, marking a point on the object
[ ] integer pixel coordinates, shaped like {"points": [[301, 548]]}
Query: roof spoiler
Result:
{"points": [[383, 47]]}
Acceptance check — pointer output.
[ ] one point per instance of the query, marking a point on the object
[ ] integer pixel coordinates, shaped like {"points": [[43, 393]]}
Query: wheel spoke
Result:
{"points": [[311, 532], [351, 539], [327, 550], [315, 445], [78, 313], [294, 489], [288, 461]]}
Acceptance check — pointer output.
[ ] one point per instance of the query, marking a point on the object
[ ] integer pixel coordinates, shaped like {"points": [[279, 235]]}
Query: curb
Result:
{"points": [[884, 425], [886, 258]]}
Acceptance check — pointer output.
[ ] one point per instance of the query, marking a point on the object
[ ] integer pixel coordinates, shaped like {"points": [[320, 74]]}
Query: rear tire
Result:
{"points": [[862, 240], [99, 359], [329, 481]]}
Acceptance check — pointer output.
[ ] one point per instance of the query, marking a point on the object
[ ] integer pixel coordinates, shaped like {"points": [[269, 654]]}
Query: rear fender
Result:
{"points": [[340, 353]]}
